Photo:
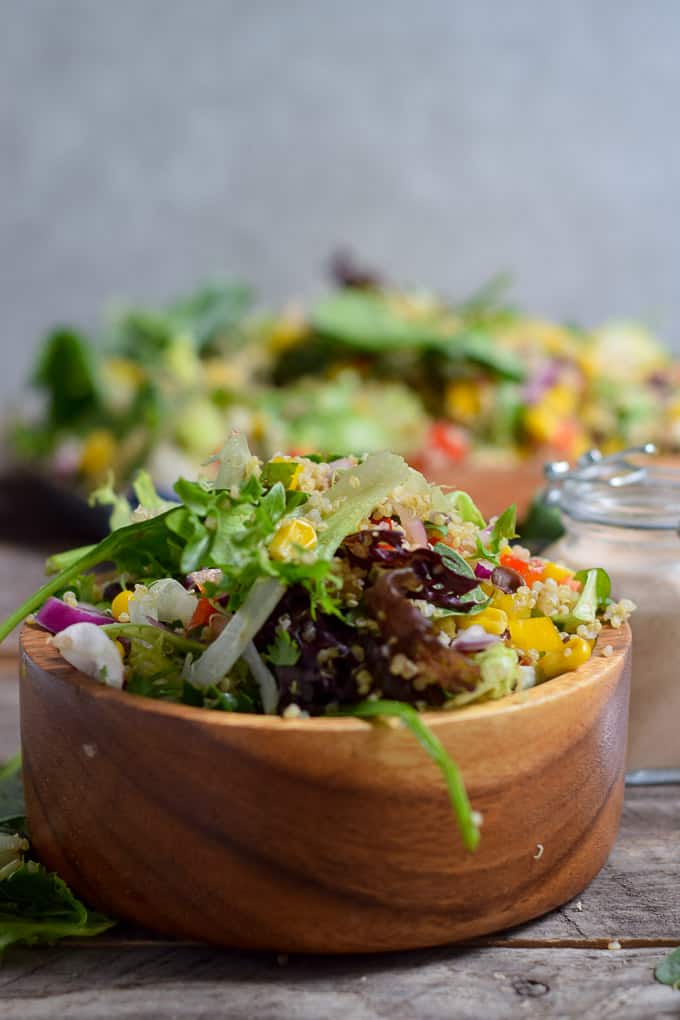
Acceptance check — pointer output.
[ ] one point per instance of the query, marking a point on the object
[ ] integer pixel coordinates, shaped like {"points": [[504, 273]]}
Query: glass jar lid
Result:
{"points": [[622, 490]]}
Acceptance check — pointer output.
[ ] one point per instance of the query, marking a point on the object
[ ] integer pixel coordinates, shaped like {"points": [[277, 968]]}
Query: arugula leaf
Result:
{"points": [[284, 651], [505, 526], [668, 971], [467, 823]]}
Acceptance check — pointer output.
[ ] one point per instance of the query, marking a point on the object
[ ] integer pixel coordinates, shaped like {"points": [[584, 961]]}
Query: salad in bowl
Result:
{"points": [[307, 587]]}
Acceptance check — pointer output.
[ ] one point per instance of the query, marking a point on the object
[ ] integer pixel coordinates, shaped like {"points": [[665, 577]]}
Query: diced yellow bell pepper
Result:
{"points": [[557, 572], [539, 633], [494, 621], [121, 603], [98, 453], [561, 399], [541, 423], [576, 651], [292, 537], [509, 606]]}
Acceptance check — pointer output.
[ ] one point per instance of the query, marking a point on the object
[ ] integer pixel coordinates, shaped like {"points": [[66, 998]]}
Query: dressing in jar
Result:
{"points": [[624, 512]]}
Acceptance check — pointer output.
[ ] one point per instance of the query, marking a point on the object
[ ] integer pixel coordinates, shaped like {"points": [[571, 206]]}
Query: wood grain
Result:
{"points": [[496, 984], [320, 835]]}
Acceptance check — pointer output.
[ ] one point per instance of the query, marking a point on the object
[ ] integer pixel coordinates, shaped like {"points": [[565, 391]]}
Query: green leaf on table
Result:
{"points": [[37, 906], [668, 971]]}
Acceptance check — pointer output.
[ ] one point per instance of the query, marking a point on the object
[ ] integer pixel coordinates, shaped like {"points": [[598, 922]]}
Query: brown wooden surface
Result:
{"points": [[492, 488], [323, 835], [557, 966]]}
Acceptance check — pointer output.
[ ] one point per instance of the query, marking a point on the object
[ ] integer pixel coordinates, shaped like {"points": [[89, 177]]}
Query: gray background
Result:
{"points": [[146, 145]]}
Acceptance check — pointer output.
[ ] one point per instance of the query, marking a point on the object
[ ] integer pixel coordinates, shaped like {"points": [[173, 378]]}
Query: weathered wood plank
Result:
{"points": [[432, 985]]}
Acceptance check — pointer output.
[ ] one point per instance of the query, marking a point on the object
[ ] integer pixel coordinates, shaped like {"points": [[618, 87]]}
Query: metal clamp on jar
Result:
{"points": [[623, 511]]}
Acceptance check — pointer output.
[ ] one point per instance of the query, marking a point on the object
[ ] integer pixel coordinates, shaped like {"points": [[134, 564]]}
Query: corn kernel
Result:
{"points": [[121, 648], [540, 423], [539, 632], [292, 537], [576, 651], [121, 603], [494, 621], [98, 453], [557, 572]]}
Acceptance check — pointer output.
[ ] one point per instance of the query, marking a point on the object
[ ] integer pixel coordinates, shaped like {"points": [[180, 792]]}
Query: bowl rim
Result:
{"points": [[566, 685]]}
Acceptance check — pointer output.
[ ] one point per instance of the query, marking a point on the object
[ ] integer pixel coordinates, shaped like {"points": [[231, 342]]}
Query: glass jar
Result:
{"points": [[623, 513]]}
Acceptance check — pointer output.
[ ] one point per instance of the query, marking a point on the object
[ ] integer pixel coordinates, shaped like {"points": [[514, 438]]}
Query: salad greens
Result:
{"points": [[306, 588], [36, 906], [367, 367]]}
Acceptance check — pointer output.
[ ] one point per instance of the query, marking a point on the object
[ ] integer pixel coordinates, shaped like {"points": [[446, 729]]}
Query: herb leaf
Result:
{"points": [[468, 826]]}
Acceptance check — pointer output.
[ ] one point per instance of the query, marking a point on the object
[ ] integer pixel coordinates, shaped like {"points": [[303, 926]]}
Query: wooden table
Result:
{"points": [[558, 966]]}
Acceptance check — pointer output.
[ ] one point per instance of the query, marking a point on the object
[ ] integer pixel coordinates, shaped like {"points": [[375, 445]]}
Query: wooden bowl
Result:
{"points": [[492, 488], [321, 835]]}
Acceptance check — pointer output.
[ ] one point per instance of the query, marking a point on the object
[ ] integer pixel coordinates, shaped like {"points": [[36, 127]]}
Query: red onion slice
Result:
{"points": [[483, 570], [474, 639], [56, 616]]}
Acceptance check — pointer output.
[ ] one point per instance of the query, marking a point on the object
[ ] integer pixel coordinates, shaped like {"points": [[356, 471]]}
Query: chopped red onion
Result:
{"points": [[56, 616], [474, 639], [484, 570]]}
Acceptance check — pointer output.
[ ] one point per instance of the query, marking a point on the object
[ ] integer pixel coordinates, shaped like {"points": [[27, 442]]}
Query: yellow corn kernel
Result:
{"points": [[294, 481], [509, 606], [463, 400], [576, 651], [557, 572], [121, 603], [539, 632], [98, 452], [121, 648], [494, 621], [292, 537]]}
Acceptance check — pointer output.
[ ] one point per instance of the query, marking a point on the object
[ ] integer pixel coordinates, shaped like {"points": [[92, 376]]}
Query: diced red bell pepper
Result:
{"points": [[530, 570], [448, 439], [202, 613]]}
